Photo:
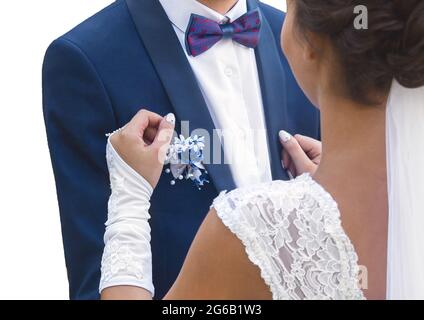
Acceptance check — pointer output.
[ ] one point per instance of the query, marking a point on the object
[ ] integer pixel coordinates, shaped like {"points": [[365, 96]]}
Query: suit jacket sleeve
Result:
{"points": [[78, 114]]}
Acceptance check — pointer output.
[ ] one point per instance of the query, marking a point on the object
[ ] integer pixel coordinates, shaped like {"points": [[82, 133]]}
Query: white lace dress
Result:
{"points": [[292, 232]]}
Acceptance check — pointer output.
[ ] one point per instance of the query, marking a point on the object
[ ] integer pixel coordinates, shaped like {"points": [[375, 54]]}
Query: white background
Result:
{"points": [[31, 253]]}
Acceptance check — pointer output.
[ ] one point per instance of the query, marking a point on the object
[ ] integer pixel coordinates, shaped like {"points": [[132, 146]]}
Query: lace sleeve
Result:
{"points": [[292, 232]]}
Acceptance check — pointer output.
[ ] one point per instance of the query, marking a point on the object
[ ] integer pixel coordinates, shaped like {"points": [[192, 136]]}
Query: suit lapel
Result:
{"points": [[176, 75], [273, 86]]}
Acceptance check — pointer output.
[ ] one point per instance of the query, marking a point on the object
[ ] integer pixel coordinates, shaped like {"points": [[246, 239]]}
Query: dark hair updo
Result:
{"points": [[391, 48]]}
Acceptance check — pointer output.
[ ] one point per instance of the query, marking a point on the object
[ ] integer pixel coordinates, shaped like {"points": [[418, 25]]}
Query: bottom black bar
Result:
{"points": [[123, 310]]}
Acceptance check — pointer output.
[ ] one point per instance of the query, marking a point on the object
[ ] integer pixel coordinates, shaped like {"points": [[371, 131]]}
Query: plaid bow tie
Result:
{"points": [[202, 33]]}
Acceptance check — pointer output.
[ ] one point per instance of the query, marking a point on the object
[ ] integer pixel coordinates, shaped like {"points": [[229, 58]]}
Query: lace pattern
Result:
{"points": [[293, 233], [119, 260]]}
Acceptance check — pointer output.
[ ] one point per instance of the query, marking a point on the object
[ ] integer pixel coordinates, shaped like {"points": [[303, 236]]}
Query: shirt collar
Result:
{"points": [[179, 12]]}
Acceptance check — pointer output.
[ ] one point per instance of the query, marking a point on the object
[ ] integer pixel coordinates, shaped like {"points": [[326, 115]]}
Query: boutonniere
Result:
{"points": [[185, 159]]}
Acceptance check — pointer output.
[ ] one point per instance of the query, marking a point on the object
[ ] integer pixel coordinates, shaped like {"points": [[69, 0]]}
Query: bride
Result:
{"points": [[361, 214]]}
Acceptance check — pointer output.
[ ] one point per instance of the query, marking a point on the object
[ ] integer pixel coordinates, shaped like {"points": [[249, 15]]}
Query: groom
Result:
{"points": [[142, 53]]}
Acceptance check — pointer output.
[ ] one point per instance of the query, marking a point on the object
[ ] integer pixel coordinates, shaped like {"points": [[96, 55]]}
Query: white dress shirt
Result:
{"points": [[228, 78]]}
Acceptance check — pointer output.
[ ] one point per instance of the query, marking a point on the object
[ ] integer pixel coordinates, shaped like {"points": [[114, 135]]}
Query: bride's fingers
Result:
{"points": [[312, 147], [144, 124], [292, 171], [164, 135], [299, 158], [149, 135], [285, 159], [288, 165]]}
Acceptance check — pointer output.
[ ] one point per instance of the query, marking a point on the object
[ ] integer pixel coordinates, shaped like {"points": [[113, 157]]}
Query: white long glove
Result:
{"points": [[127, 257]]}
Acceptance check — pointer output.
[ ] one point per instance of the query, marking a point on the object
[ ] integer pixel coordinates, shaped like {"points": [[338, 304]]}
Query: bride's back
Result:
{"points": [[292, 230], [346, 57]]}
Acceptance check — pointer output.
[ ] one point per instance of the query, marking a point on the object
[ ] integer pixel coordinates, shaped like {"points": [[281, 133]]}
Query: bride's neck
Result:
{"points": [[354, 148], [353, 171]]}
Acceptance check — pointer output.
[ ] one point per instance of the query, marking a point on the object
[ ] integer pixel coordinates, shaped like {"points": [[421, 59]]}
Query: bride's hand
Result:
{"points": [[143, 143], [300, 154]]}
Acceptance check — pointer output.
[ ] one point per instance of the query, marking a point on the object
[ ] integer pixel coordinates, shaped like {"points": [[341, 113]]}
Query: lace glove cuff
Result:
{"points": [[127, 257]]}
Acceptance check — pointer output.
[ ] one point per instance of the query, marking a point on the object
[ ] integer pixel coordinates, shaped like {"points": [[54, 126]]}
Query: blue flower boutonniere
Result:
{"points": [[185, 157]]}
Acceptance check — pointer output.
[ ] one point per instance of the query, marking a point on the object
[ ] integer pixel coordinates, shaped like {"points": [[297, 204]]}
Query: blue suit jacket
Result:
{"points": [[95, 78]]}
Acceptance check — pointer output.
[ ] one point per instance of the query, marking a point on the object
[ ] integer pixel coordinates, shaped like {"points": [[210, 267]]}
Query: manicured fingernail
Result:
{"points": [[285, 136], [170, 117], [282, 163], [290, 175]]}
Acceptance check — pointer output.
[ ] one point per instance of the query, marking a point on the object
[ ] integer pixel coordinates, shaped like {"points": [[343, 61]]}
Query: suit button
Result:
{"points": [[228, 72]]}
